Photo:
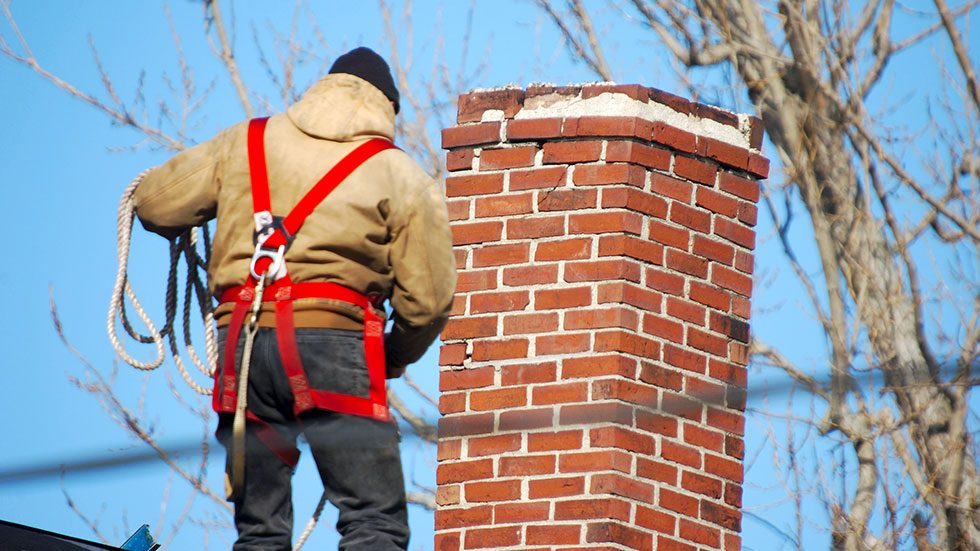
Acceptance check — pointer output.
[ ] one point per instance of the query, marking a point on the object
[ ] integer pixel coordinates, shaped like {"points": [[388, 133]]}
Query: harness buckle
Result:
{"points": [[276, 270]]}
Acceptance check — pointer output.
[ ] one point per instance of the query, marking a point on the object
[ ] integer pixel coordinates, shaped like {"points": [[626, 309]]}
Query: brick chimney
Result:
{"points": [[593, 374]]}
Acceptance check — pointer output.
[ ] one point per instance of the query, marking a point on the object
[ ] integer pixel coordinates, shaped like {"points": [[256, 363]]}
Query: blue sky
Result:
{"points": [[65, 166]]}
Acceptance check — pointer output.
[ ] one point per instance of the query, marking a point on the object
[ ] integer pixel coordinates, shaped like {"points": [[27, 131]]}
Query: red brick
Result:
{"points": [[725, 517], [732, 280], [525, 374], [497, 490], [666, 282], [716, 202], [571, 152], [458, 209], [710, 295], [559, 393], [626, 293], [551, 177], [553, 534], [680, 190], [449, 449], [680, 503], [476, 280], [758, 165], [676, 103], [465, 425], [707, 342], [687, 311], [587, 509], [608, 126], [616, 484], [733, 497], [511, 157], [684, 359], [606, 174], [738, 353], [566, 249], [605, 222], [757, 130], [696, 435], [526, 419], [497, 255], [699, 533], [656, 424], [667, 544], [744, 262], [492, 445], [723, 467], [477, 232], [447, 541], [728, 421], [695, 170], [567, 199], [602, 270], [624, 439], [470, 107], [526, 465], [462, 471], [476, 184], [695, 219], [671, 236], [448, 518], [503, 205], [625, 245], [664, 328], [729, 326], [554, 441], [734, 446], [658, 521], [521, 512], [550, 299], [614, 532], [686, 263], [472, 134], [635, 91], [713, 250], [740, 187], [682, 406], [458, 307], [700, 484], [535, 227], [634, 199], [497, 301], [499, 349], [465, 379], [530, 129], [461, 256], [570, 343], [735, 398], [632, 152], [460, 159], [674, 137], [658, 375], [736, 233], [596, 365], [452, 354], [656, 470], [498, 398], [452, 403], [724, 153], [469, 328], [730, 373], [741, 307], [524, 324], [593, 318], [627, 342], [556, 487], [483, 538]]}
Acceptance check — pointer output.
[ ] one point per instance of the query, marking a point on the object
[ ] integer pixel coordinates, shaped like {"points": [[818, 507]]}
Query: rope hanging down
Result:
{"points": [[195, 288]]}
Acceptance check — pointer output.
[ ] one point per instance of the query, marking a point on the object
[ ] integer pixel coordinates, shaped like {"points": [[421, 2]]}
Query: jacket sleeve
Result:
{"points": [[425, 278], [180, 194]]}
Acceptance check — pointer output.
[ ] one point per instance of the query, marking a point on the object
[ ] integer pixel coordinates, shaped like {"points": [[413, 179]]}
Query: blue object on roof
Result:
{"points": [[141, 540]]}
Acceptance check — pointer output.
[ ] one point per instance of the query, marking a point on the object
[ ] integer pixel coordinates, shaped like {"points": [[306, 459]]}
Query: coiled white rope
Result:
{"points": [[186, 245]]}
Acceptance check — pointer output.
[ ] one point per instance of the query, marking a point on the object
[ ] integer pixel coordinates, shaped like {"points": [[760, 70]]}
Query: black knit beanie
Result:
{"points": [[367, 64]]}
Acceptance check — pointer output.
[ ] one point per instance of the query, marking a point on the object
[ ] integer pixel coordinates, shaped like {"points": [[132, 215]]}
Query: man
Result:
{"points": [[382, 231]]}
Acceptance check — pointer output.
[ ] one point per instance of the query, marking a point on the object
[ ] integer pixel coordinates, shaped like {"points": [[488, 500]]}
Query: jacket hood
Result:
{"points": [[343, 107]]}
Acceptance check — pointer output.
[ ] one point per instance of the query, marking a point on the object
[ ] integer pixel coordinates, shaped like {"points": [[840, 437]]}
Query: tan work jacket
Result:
{"points": [[384, 230]]}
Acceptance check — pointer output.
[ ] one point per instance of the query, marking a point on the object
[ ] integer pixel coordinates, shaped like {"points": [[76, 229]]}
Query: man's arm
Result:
{"points": [[425, 279]]}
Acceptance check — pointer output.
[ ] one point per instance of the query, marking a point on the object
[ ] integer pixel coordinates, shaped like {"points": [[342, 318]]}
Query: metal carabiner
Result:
{"points": [[278, 258]]}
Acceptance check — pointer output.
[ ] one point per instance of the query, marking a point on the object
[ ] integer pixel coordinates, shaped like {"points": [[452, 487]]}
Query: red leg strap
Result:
{"points": [[277, 443]]}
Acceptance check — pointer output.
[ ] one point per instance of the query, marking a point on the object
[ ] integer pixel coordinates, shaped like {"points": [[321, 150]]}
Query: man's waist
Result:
{"points": [[313, 317]]}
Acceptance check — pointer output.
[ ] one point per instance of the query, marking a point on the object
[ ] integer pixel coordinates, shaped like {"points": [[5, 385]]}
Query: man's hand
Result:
{"points": [[394, 371]]}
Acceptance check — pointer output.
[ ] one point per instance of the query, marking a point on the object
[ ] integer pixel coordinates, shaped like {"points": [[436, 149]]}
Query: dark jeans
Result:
{"points": [[357, 457]]}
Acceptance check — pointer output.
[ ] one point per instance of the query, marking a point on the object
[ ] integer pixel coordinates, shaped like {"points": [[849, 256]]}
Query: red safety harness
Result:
{"points": [[273, 236]]}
